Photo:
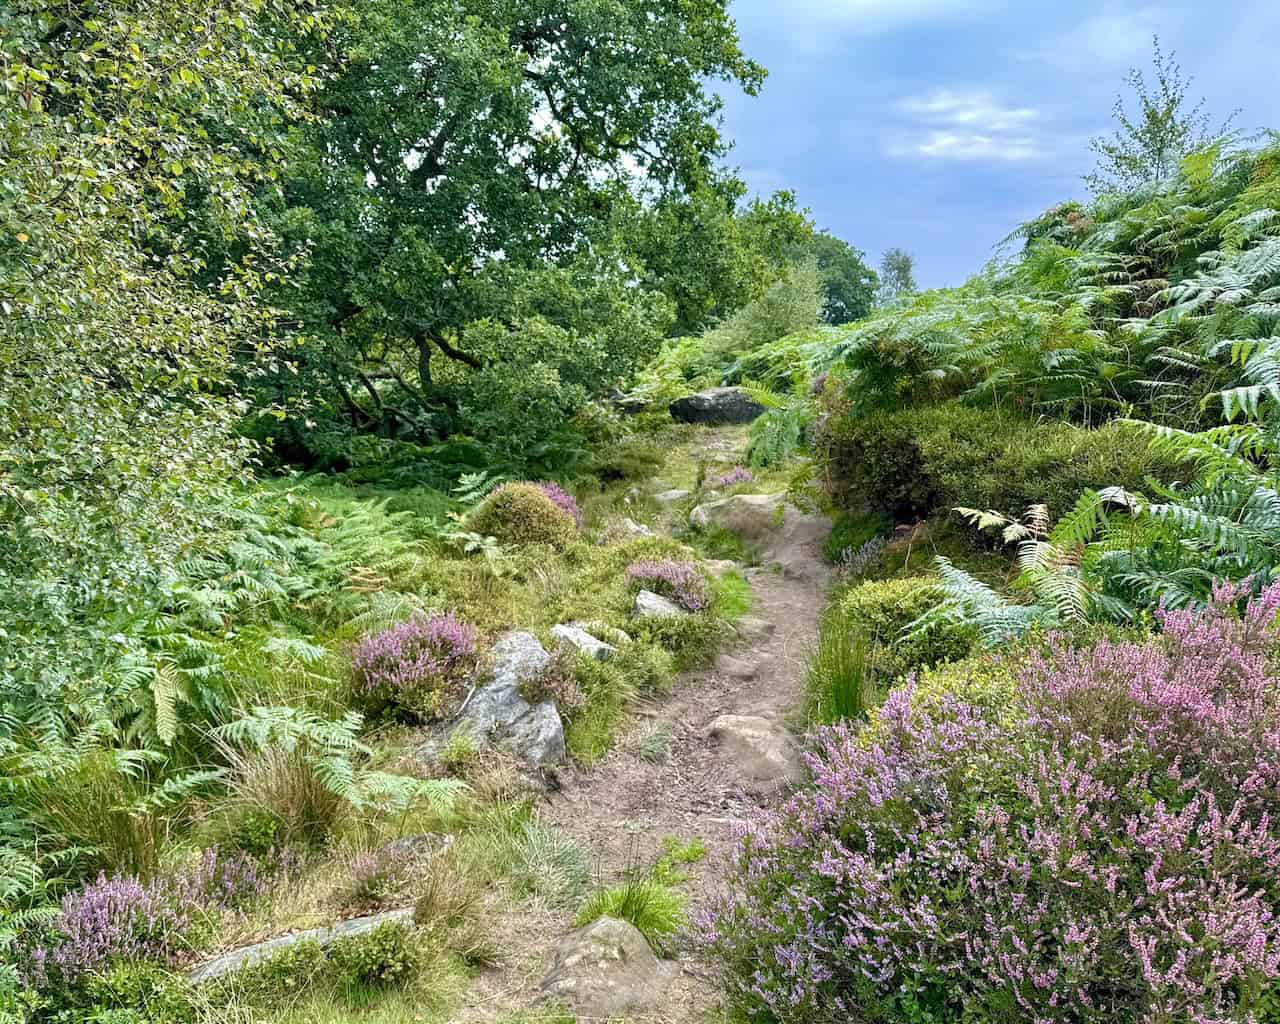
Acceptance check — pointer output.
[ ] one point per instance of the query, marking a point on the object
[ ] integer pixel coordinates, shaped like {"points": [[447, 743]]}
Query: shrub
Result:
{"points": [[558, 684], [910, 463], [414, 666], [881, 610], [1106, 850], [682, 582], [735, 476], [384, 957], [523, 514], [562, 500], [125, 993], [850, 531]]}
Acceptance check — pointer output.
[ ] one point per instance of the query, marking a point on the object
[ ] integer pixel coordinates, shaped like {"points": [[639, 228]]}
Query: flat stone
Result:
{"points": [[630, 528], [736, 668], [716, 405], [752, 629], [580, 640], [671, 497], [763, 757], [650, 605], [247, 956], [606, 971]]}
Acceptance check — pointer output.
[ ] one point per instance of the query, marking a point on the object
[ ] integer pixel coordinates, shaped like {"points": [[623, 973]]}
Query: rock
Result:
{"points": [[496, 713], [717, 405], [650, 605], [417, 847], [579, 639], [752, 629], [628, 405], [606, 971], [721, 566], [764, 757], [630, 528], [785, 536], [247, 956], [671, 497], [736, 668]]}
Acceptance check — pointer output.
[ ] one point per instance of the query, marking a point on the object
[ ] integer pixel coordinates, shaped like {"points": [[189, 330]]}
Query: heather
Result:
{"points": [[1104, 850], [414, 666], [682, 582]]}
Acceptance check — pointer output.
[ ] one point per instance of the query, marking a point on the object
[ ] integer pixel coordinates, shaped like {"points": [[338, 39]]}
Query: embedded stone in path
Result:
{"points": [[763, 757], [579, 639], [736, 668], [650, 605], [753, 630], [247, 956], [497, 715], [606, 971], [670, 497], [717, 405]]}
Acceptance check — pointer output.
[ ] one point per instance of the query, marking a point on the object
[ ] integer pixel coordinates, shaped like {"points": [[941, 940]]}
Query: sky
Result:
{"points": [[941, 125]]}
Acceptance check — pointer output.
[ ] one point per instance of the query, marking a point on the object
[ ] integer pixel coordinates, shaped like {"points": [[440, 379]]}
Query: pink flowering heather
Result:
{"points": [[123, 918], [737, 475], [1108, 850], [682, 582], [561, 499], [414, 665]]}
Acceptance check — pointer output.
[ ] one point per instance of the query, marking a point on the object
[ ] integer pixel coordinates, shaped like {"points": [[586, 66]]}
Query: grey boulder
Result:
{"points": [[786, 537], [497, 715], [579, 639], [654, 606], [717, 405], [606, 971]]}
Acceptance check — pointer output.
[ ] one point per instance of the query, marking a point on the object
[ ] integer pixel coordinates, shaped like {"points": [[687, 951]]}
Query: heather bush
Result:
{"points": [[558, 683], [413, 667], [525, 513], [562, 500], [1104, 850], [735, 476], [682, 582]]}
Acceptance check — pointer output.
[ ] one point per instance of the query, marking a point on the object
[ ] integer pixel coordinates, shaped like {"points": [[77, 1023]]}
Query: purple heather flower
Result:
{"points": [[1119, 820], [561, 499], [737, 475], [682, 582], [421, 654]]}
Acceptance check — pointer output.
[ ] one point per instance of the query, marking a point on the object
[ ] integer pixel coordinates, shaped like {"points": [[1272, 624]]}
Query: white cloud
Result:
{"points": [[968, 125], [1111, 39], [822, 25]]}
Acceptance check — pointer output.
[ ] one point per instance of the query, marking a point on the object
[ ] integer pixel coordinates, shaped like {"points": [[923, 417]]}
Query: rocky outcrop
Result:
{"points": [[651, 606], [763, 757], [497, 715], [606, 971], [717, 405], [578, 639], [247, 956], [785, 537]]}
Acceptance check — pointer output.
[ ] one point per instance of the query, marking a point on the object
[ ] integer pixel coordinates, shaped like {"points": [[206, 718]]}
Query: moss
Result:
{"points": [[521, 514], [731, 596]]}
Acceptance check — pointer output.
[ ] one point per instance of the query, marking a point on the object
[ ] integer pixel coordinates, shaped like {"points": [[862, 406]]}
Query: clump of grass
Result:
{"points": [[731, 596], [840, 675], [510, 846], [717, 541], [655, 909], [669, 868]]}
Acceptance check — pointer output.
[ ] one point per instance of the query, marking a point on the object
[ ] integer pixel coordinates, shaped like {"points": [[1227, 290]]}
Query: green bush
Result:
{"points": [[881, 610], [913, 462], [127, 993], [522, 514], [384, 957], [851, 530]]}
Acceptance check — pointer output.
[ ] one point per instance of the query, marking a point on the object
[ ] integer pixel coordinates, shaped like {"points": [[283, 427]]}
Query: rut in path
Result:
{"points": [[619, 810]]}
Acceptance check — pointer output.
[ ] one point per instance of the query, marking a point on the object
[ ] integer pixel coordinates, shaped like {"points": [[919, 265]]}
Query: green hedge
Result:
{"points": [[913, 462]]}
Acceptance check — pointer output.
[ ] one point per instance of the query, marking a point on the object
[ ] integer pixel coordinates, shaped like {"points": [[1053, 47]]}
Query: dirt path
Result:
{"points": [[620, 810]]}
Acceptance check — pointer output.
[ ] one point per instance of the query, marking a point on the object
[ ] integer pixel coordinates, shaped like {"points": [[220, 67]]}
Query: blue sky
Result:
{"points": [[940, 125]]}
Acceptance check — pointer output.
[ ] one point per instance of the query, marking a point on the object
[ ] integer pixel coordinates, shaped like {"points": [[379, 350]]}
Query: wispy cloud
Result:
{"points": [[1109, 39], [953, 124], [822, 25]]}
